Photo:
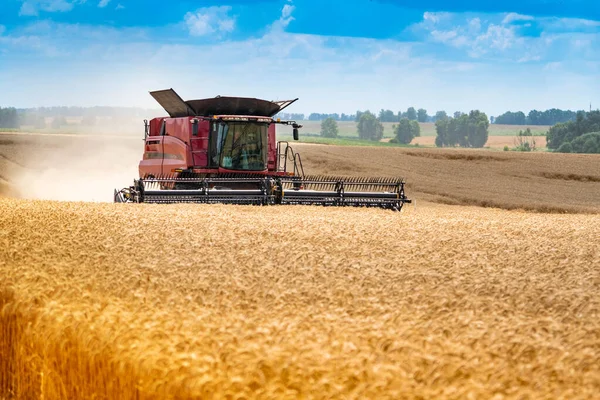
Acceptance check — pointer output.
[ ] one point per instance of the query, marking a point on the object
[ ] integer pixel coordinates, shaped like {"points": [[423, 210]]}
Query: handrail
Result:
{"points": [[296, 163], [289, 154]]}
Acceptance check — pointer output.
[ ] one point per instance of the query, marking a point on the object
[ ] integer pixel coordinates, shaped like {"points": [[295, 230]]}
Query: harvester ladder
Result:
{"points": [[286, 155]]}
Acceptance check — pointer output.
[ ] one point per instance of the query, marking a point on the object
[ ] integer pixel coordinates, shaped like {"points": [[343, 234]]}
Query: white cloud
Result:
{"points": [[53, 39], [119, 7], [495, 38], [210, 20], [28, 9], [287, 10], [444, 36], [329, 74], [2, 29], [570, 25], [476, 40], [553, 66], [529, 58], [32, 7], [285, 18], [103, 3], [489, 36], [475, 24], [435, 17], [512, 17]]}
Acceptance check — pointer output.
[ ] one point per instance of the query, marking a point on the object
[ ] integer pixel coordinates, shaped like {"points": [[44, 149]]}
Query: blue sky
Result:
{"points": [[337, 56]]}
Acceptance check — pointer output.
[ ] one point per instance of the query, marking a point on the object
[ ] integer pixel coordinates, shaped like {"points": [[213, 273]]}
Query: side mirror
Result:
{"points": [[295, 133], [195, 127], [146, 126]]}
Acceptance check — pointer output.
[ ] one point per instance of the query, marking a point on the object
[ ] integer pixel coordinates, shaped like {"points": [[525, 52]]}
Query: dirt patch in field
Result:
{"points": [[458, 156], [496, 142], [572, 177]]}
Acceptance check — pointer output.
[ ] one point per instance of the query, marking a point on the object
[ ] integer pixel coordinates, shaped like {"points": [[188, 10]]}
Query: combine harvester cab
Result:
{"points": [[224, 150]]}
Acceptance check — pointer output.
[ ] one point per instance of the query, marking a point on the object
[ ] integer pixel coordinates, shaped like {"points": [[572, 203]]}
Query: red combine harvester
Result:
{"points": [[224, 150]]}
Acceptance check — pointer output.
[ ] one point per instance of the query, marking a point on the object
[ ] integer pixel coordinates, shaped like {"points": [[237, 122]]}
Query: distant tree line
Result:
{"points": [[315, 117], [290, 116], [97, 111], [9, 119], [35, 117], [464, 130], [369, 127], [334, 116], [579, 136], [27, 116], [14, 118], [411, 114], [535, 117]]}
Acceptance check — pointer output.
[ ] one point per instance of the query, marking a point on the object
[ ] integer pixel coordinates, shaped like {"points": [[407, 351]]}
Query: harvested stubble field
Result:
{"points": [[542, 182], [185, 301]]}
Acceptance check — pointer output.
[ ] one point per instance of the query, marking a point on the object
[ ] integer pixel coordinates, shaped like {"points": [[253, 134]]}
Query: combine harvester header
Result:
{"points": [[224, 150]]}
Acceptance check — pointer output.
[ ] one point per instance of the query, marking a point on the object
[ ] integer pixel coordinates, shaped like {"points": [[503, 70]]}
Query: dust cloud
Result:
{"points": [[70, 167]]}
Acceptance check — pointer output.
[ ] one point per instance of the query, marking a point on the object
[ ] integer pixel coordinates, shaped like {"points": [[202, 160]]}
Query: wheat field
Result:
{"points": [[237, 302], [443, 300]]}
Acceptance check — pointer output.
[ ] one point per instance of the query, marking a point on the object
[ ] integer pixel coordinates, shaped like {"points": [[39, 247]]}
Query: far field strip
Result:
{"points": [[75, 167], [348, 128]]}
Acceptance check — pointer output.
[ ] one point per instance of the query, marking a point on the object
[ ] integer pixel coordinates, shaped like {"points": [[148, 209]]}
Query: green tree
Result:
{"points": [[422, 115], [525, 141], [329, 128], [565, 148], [441, 128], [566, 132], [511, 118], [535, 117], [559, 134], [358, 115], [477, 130], [406, 131], [387, 116], [440, 115], [465, 130], [458, 130], [411, 114], [588, 143], [369, 127]]}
